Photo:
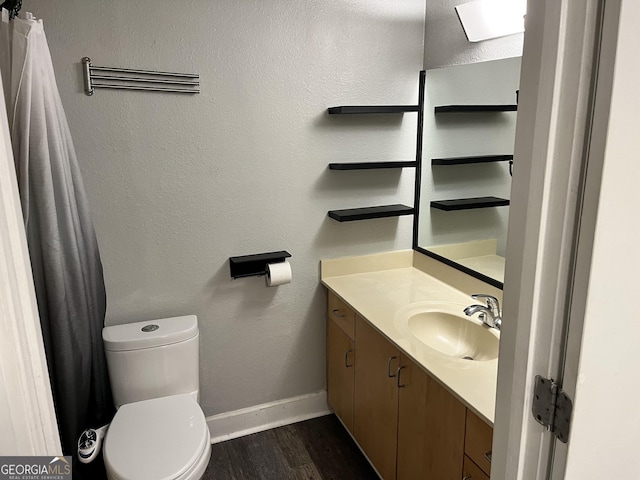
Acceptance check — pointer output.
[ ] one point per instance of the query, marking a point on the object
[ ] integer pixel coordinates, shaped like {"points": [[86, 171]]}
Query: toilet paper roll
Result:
{"points": [[278, 273]]}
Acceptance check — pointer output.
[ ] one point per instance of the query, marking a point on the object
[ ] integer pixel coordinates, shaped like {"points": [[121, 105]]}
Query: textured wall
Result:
{"points": [[180, 183], [446, 44]]}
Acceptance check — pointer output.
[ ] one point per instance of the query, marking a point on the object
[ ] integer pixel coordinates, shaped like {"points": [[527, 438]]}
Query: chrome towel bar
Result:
{"points": [[133, 79]]}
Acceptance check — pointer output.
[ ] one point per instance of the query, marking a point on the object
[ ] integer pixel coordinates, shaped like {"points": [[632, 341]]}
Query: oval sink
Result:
{"points": [[441, 328]]}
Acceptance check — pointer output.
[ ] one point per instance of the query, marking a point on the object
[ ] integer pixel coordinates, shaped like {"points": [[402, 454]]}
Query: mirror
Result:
{"points": [[466, 167]]}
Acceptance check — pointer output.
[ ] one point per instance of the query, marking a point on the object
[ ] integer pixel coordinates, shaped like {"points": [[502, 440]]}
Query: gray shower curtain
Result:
{"points": [[62, 244]]}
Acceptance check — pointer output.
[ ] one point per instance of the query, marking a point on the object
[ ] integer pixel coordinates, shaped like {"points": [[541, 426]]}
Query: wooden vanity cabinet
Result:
{"points": [[407, 424]]}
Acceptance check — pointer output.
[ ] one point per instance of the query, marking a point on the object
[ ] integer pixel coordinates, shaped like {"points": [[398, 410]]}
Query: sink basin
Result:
{"points": [[443, 327]]}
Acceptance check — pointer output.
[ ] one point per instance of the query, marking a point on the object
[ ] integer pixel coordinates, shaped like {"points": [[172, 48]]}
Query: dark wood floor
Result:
{"points": [[317, 449]]}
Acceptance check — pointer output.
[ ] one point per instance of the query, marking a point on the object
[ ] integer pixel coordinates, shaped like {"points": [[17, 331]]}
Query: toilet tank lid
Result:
{"points": [[152, 333]]}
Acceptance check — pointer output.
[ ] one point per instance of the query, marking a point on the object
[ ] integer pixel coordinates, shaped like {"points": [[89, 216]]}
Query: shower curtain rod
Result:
{"points": [[157, 81]]}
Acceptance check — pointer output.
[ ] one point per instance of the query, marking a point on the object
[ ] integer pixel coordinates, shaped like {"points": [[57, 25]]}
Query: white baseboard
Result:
{"points": [[229, 425]]}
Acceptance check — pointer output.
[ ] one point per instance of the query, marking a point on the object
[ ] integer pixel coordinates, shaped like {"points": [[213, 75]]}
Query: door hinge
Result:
{"points": [[552, 407]]}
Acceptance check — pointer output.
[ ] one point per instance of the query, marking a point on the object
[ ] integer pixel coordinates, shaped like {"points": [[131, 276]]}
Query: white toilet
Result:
{"points": [[159, 431]]}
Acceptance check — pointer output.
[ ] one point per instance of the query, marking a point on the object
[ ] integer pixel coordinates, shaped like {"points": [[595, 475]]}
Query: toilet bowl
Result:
{"points": [[159, 431], [160, 439]]}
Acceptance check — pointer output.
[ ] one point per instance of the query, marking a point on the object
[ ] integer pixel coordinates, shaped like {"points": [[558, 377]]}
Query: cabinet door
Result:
{"points": [[340, 373], [376, 398], [472, 471], [478, 441], [431, 427]]}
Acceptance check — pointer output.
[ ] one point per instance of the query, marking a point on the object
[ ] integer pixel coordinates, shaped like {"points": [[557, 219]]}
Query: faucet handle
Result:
{"points": [[492, 302]]}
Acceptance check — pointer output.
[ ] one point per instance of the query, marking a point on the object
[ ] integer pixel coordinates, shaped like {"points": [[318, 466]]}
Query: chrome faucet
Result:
{"points": [[490, 314]]}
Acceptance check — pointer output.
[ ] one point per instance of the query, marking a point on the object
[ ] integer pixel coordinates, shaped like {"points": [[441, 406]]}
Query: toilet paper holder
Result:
{"points": [[256, 264]]}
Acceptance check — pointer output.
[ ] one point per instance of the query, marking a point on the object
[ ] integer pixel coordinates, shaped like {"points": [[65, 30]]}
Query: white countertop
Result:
{"points": [[378, 286]]}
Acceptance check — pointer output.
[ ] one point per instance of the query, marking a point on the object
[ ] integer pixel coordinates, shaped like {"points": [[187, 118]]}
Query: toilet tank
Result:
{"points": [[152, 359]]}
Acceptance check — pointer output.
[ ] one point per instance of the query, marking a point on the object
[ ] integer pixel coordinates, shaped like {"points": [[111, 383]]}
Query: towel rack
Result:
{"points": [[132, 79]]}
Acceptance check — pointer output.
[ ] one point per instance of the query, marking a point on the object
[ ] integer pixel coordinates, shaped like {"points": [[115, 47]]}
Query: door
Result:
{"points": [[564, 125], [376, 398]]}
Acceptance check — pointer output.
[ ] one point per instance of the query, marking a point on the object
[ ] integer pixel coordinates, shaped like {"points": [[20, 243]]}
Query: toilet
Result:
{"points": [[159, 431]]}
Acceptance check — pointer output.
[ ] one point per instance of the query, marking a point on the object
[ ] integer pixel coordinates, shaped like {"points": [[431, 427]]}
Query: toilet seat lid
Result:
{"points": [[157, 439]]}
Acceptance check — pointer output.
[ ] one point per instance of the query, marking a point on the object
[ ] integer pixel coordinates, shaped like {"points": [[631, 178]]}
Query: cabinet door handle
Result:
{"points": [[467, 477], [346, 358], [488, 455], [337, 314], [389, 374], [399, 385]]}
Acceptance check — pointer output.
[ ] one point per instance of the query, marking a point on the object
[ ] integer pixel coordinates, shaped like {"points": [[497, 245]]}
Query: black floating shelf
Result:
{"points": [[469, 203], [469, 160], [372, 109], [367, 213], [475, 108], [370, 165]]}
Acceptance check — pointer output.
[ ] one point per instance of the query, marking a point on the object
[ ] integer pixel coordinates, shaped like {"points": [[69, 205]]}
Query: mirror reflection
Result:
{"points": [[466, 181]]}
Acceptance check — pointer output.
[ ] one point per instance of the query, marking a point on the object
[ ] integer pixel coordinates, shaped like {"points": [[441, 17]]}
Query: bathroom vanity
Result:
{"points": [[417, 408]]}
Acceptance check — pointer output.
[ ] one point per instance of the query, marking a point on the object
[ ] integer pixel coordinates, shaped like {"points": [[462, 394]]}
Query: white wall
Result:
{"points": [[446, 44], [179, 183]]}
